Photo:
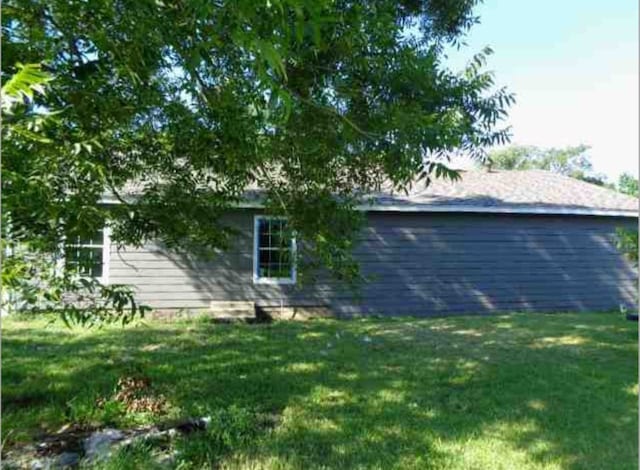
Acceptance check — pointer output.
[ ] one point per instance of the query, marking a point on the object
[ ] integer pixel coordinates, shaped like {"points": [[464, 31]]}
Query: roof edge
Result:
{"points": [[547, 210], [419, 208]]}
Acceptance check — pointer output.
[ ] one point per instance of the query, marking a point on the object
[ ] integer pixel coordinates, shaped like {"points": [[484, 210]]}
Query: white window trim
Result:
{"points": [[106, 255], [256, 258]]}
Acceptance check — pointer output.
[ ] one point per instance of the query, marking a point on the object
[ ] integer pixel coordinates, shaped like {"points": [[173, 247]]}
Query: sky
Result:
{"points": [[573, 65]]}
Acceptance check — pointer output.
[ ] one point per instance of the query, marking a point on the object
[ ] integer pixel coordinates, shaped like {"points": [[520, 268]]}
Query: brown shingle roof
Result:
{"points": [[526, 191], [510, 191]]}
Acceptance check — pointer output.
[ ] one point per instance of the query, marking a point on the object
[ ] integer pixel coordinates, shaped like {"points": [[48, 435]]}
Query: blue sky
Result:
{"points": [[573, 65]]}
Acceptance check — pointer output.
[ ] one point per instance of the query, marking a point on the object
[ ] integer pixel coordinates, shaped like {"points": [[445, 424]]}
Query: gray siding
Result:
{"points": [[418, 264]]}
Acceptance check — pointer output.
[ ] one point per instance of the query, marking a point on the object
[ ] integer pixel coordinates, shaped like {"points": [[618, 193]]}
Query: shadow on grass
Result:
{"points": [[455, 392]]}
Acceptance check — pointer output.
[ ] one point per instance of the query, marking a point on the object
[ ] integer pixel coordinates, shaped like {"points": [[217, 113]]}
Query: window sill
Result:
{"points": [[100, 279], [274, 281]]}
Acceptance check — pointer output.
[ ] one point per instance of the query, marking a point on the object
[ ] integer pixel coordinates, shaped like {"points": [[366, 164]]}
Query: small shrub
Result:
{"points": [[627, 243]]}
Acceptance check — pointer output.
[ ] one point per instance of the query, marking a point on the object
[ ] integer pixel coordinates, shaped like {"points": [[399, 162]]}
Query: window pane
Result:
{"points": [[95, 239], [281, 271], [265, 260], [263, 226], [284, 257], [82, 259], [89, 261], [96, 270], [277, 239], [263, 231], [274, 249], [94, 262]]}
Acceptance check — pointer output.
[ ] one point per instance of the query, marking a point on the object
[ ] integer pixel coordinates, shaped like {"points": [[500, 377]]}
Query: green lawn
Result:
{"points": [[515, 391]]}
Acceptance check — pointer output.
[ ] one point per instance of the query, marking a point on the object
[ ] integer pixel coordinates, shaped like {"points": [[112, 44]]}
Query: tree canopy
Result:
{"points": [[315, 101], [569, 161], [627, 184]]}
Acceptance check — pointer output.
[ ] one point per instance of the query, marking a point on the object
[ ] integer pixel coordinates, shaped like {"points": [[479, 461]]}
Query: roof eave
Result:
{"points": [[420, 208], [417, 208], [542, 210]]}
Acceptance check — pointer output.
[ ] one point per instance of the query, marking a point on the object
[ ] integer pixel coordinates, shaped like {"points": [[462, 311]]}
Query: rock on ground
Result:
{"points": [[99, 444]]}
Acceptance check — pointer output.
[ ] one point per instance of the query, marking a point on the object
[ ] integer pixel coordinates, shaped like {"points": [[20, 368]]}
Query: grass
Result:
{"points": [[515, 391]]}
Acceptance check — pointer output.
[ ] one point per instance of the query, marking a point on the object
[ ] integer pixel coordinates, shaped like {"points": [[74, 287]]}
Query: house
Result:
{"points": [[494, 241]]}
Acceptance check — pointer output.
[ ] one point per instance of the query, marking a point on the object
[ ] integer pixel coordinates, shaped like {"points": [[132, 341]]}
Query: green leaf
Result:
{"points": [[28, 80], [272, 57]]}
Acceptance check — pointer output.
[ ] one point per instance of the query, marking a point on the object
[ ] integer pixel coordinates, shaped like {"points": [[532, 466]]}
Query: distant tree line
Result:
{"points": [[570, 161]]}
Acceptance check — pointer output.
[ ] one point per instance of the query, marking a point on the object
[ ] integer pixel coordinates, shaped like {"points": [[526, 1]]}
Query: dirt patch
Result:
{"points": [[136, 395]]}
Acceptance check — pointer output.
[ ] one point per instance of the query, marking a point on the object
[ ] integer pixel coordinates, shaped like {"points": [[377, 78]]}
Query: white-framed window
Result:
{"points": [[89, 257], [274, 251]]}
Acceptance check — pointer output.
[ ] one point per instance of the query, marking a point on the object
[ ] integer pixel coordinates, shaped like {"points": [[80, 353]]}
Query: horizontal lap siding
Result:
{"points": [[428, 263], [166, 280], [419, 264]]}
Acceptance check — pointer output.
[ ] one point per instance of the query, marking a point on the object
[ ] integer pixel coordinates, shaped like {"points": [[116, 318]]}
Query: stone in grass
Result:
{"points": [[40, 464], [166, 459], [32, 462], [67, 460], [98, 445]]}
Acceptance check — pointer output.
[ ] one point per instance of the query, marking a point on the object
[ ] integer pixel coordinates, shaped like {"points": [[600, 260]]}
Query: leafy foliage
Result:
{"points": [[568, 161], [315, 102], [627, 242], [627, 184], [25, 82], [33, 279]]}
